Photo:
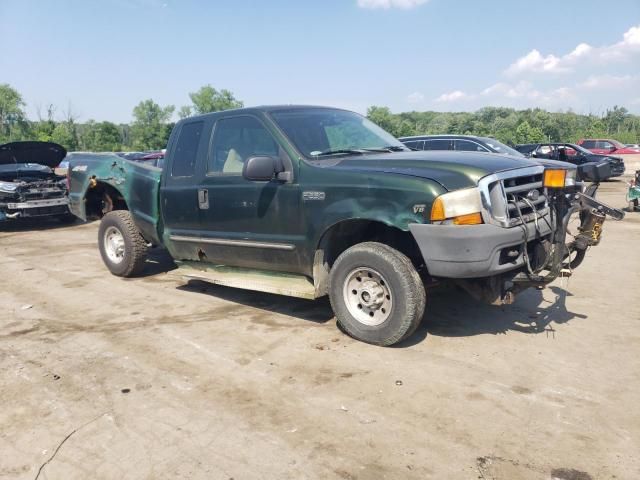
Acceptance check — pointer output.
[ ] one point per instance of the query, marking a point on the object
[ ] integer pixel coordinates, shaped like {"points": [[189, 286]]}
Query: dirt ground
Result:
{"points": [[153, 378]]}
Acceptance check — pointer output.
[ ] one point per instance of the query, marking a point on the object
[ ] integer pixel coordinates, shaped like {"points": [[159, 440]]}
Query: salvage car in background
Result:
{"points": [[572, 153], [460, 143], [29, 186], [606, 147]]}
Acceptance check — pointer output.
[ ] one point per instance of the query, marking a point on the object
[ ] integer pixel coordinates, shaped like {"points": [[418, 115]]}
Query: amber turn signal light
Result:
{"points": [[437, 210], [554, 178], [470, 219]]}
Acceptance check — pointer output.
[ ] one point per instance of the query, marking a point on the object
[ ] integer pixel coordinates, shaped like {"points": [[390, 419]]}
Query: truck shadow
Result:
{"points": [[316, 311], [450, 312], [158, 261], [453, 313]]}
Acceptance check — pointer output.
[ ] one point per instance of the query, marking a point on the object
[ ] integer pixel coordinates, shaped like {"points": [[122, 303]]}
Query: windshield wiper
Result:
{"points": [[387, 148], [345, 151]]}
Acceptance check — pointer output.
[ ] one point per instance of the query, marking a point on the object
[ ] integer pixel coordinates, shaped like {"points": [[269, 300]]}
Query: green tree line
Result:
{"points": [[513, 126], [152, 123], [149, 130]]}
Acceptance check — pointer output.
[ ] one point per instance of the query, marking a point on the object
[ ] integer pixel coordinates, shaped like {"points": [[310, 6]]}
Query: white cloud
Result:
{"points": [[582, 50], [520, 90], [607, 81], [452, 96], [536, 62], [415, 97], [386, 4]]}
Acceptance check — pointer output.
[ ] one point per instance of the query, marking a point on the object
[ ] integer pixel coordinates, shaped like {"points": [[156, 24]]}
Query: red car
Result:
{"points": [[606, 147]]}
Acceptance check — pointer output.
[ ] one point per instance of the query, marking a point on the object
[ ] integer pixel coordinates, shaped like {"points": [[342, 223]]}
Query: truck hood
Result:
{"points": [[452, 170], [43, 153]]}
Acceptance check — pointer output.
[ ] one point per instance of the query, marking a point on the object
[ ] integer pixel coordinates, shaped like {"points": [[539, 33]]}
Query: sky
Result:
{"points": [[99, 58]]}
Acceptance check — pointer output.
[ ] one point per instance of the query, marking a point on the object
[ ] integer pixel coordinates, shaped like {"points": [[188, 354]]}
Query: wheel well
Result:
{"points": [[347, 233], [102, 198]]}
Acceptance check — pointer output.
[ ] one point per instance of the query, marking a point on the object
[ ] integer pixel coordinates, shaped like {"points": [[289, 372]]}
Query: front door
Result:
{"points": [[247, 223]]}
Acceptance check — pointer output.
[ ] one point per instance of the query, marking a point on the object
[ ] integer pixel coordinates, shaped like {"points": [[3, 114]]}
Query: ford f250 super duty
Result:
{"points": [[310, 201]]}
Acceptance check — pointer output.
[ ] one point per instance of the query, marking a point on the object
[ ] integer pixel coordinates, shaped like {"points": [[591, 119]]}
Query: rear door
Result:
{"points": [[179, 189]]}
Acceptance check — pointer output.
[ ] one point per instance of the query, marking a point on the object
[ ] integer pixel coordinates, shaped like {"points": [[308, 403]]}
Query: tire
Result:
{"points": [[122, 248], [388, 295]]}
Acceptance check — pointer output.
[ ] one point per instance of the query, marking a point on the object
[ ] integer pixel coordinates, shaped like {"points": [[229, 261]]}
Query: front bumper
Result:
{"points": [[34, 208], [475, 251], [617, 170]]}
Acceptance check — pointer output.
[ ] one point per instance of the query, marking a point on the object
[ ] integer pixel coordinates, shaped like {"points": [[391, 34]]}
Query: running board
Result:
{"points": [[259, 280]]}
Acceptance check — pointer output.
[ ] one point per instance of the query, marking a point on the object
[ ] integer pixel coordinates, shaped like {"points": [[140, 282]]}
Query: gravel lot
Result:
{"points": [[153, 378]]}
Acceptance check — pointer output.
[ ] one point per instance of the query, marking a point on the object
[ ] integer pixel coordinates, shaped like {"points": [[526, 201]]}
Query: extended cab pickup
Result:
{"points": [[310, 201]]}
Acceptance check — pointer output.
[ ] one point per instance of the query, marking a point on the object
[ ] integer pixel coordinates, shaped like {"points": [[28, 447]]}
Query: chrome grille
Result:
{"points": [[512, 196]]}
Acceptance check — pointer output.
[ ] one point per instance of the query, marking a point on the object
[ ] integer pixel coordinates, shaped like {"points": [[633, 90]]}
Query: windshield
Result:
{"points": [[323, 131], [501, 147], [617, 144], [580, 149]]}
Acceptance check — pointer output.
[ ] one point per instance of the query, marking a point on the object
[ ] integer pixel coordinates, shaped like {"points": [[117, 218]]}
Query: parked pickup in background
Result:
{"points": [[607, 147], [311, 201]]}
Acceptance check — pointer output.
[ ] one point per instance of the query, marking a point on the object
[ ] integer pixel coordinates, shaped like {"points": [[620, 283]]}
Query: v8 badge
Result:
{"points": [[420, 208]]}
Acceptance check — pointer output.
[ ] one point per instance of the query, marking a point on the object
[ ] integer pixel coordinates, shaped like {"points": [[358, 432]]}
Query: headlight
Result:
{"points": [[462, 207], [8, 187], [559, 177]]}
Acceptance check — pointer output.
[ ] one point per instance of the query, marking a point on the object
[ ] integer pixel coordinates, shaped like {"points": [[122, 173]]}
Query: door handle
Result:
{"points": [[203, 198]]}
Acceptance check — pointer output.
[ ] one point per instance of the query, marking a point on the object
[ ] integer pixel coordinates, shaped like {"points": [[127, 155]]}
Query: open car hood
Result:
{"points": [[43, 153]]}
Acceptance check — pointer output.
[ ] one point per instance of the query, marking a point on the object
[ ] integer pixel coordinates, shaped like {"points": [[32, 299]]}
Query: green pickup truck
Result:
{"points": [[310, 201]]}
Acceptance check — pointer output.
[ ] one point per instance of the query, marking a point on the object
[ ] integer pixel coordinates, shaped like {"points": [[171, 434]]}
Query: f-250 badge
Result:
{"points": [[307, 196]]}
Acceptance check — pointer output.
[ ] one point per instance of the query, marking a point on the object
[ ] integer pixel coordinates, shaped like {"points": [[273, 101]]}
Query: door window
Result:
{"points": [[468, 146], [589, 144], [604, 145], [437, 145], [237, 139], [186, 152], [544, 151]]}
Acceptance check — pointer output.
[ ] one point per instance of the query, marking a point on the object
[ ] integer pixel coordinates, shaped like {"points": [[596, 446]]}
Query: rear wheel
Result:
{"points": [[376, 294], [122, 248]]}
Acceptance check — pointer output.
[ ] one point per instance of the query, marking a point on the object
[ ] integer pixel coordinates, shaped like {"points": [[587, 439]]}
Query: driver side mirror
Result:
{"points": [[533, 154], [261, 169]]}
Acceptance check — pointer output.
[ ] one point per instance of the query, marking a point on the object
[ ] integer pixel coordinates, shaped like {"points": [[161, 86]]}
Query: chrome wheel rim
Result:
{"points": [[114, 244], [367, 296]]}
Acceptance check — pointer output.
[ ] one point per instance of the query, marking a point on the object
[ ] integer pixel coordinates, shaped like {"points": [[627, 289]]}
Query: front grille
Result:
{"points": [[513, 196], [42, 193]]}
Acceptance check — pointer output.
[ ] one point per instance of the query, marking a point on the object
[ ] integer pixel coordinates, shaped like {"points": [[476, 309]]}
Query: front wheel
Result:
{"points": [[376, 293], [122, 248]]}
